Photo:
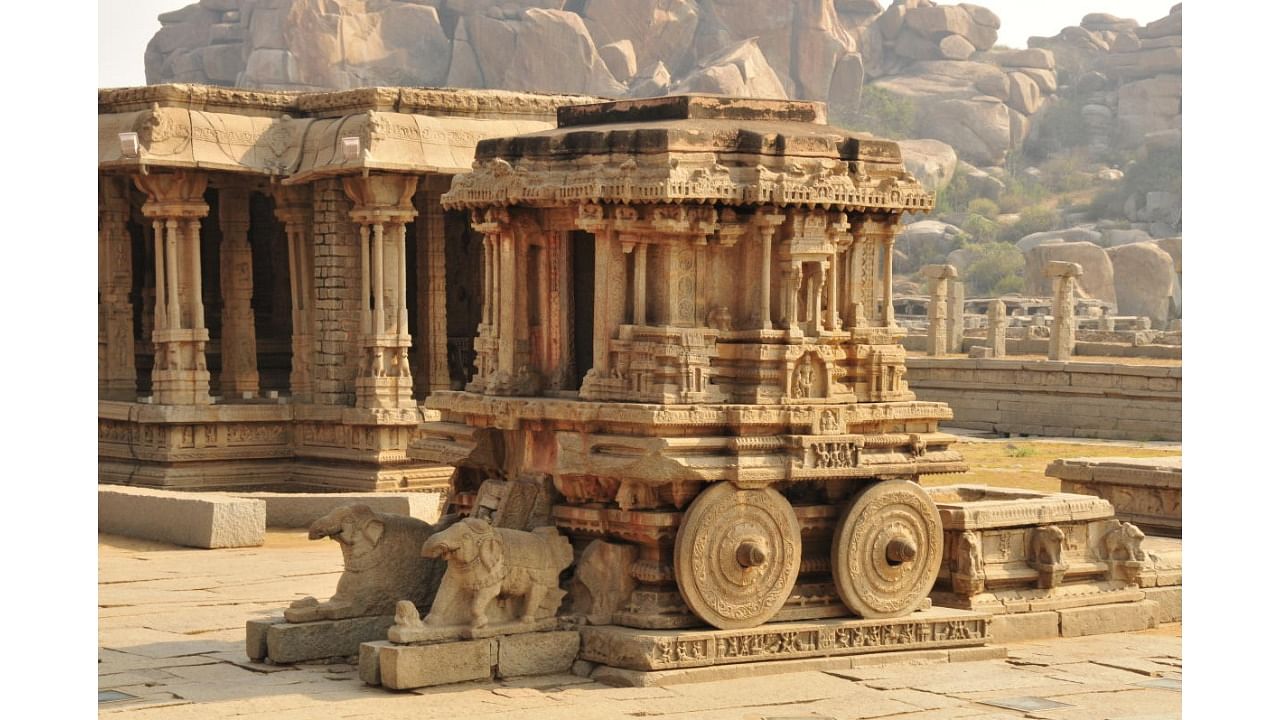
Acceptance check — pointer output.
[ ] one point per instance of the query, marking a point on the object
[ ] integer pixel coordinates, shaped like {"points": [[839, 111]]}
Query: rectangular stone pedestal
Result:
{"points": [[633, 649], [405, 667], [1145, 491], [286, 642]]}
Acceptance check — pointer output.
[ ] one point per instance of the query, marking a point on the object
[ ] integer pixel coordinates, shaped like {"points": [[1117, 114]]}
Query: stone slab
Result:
{"points": [[629, 648], [1024, 626], [299, 510], [1168, 602], [368, 668], [203, 520], [405, 667], [539, 653], [288, 642], [1100, 619], [255, 637]]}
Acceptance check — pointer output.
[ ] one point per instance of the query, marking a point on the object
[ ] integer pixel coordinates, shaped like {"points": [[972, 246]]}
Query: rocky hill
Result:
{"points": [[1075, 139]]}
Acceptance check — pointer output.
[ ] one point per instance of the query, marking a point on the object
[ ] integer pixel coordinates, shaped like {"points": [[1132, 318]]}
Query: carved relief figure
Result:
{"points": [[966, 565], [382, 564], [487, 563], [1045, 555]]}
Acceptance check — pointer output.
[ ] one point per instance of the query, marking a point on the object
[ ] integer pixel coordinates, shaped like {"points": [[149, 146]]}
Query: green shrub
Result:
{"points": [[981, 229], [985, 207], [996, 269], [1034, 219]]}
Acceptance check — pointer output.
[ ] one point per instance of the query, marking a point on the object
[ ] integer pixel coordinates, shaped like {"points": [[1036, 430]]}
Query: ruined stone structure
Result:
{"points": [[272, 291], [688, 333]]}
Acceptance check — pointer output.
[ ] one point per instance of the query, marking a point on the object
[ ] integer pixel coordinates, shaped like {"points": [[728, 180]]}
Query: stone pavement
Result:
{"points": [[171, 634]]}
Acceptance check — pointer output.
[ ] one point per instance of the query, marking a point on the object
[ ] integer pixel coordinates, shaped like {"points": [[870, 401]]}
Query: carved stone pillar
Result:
{"points": [[640, 256], [1062, 336], [955, 317], [767, 224], [383, 205], [997, 327], [293, 208], [117, 376], [887, 287], [239, 340], [939, 277], [175, 204], [792, 279], [437, 336]]}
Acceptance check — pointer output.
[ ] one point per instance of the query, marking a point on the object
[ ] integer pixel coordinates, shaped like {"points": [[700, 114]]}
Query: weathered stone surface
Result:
{"points": [[1144, 491], [620, 58], [955, 47], [978, 129], [1144, 281], [932, 162], [935, 628], [538, 653], [289, 642], [1024, 93], [205, 520], [299, 510], [1030, 58], [658, 30], [405, 667], [1023, 627], [598, 590], [739, 71], [1168, 602], [1102, 619], [383, 565], [1097, 280]]}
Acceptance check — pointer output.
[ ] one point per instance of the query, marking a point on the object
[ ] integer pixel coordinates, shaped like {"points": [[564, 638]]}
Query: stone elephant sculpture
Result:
{"points": [[382, 564]]}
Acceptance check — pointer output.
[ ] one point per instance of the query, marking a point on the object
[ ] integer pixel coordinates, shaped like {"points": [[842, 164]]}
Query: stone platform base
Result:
{"points": [[1161, 605], [285, 642], [405, 667], [1145, 491], [620, 677], [647, 650]]}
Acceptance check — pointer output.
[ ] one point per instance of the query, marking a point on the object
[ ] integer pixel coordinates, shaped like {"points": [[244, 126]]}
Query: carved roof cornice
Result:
{"points": [[439, 101], [197, 97]]}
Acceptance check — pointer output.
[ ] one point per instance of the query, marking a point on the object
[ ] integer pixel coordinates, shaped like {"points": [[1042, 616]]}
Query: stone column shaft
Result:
{"points": [[437, 336], [239, 337], [640, 257], [997, 327], [939, 278], [382, 205], [293, 207], [955, 317], [833, 316], [887, 288], [1062, 335], [175, 204], [117, 374]]}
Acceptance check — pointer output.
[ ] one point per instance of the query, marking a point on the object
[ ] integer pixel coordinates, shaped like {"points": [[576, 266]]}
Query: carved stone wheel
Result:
{"points": [[887, 549], [737, 555]]}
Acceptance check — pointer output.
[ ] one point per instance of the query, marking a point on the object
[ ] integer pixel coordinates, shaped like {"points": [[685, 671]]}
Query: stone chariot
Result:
{"points": [[688, 352]]}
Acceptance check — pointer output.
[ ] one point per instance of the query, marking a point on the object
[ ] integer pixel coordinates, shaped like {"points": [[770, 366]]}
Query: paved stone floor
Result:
{"points": [[171, 634]]}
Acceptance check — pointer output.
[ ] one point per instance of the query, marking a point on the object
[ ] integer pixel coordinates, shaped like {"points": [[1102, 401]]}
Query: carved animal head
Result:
{"points": [[464, 541], [353, 525]]}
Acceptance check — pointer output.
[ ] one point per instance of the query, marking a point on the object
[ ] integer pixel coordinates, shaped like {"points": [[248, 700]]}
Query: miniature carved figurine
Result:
{"points": [[1123, 546], [487, 563], [382, 564], [966, 566], [1045, 555]]}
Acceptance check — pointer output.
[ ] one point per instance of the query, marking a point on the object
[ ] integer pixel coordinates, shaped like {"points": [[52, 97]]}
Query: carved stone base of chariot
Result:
{"points": [[650, 650], [1010, 551]]}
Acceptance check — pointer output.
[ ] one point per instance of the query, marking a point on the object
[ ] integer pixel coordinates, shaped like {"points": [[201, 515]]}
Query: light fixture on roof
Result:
{"points": [[350, 148], [129, 144]]}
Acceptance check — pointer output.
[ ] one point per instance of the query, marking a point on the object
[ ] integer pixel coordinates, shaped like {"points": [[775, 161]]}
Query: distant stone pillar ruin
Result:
{"points": [[383, 206], [955, 317], [175, 204], [117, 376], [294, 209], [997, 327], [939, 279], [239, 378], [1062, 335]]}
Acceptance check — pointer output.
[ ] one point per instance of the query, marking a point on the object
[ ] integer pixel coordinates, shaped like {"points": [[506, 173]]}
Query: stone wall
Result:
{"points": [[337, 295], [1063, 399]]}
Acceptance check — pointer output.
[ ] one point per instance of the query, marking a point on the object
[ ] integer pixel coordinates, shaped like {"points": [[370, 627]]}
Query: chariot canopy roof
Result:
{"points": [[297, 137], [692, 148]]}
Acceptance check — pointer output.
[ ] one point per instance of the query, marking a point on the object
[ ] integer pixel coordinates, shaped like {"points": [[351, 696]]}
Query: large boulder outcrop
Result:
{"points": [[932, 162], [1096, 282], [1145, 281]]}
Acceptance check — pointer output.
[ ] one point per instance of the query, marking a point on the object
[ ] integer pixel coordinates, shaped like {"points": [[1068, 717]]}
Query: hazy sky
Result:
{"points": [[125, 26]]}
